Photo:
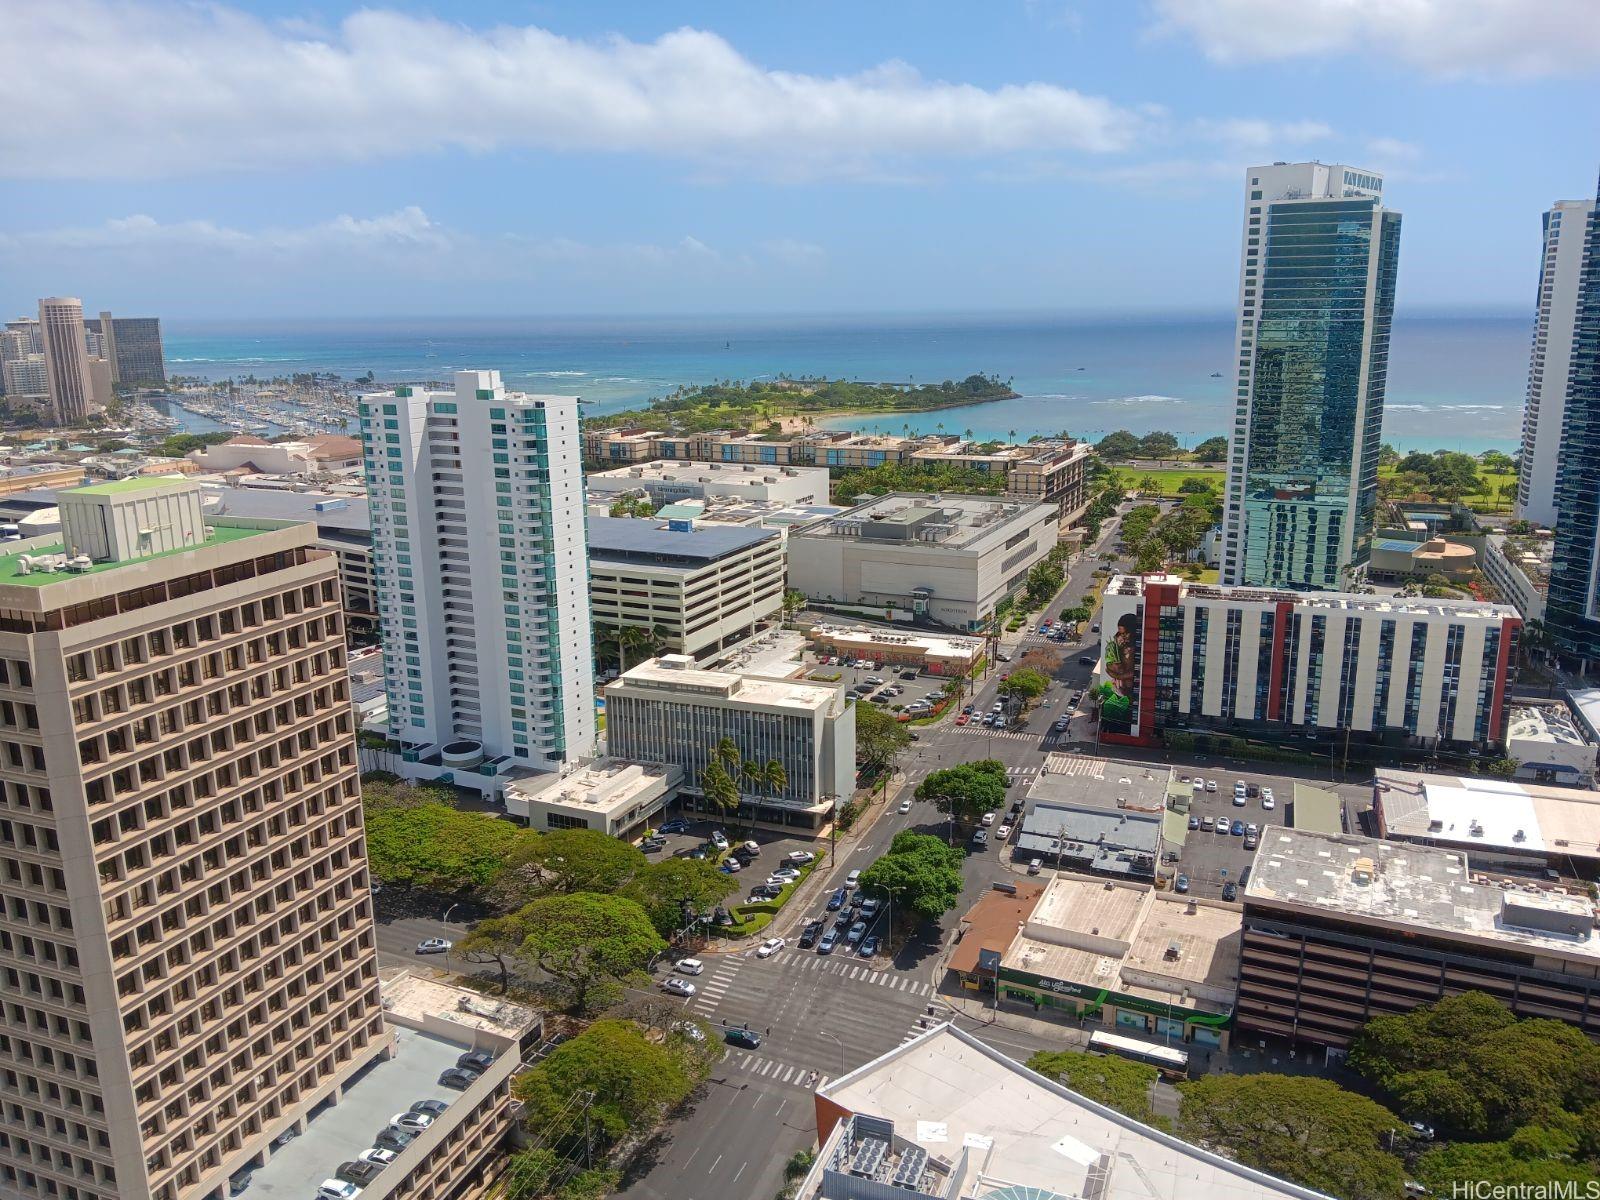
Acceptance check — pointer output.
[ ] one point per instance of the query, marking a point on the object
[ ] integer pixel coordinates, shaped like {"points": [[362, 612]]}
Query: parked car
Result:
{"points": [[836, 901], [856, 933], [690, 1030], [1251, 790], [433, 946], [988, 819], [905, 806], [676, 825], [1086, 661], [750, 849], [1267, 800], [1423, 1131], [1002, 833], [411, 1122], [337, 1189], [357, 1172], [908, 674], [764, 891], [1222, 826], [392, 1139], [731, 866], [458, 1078], [1194, 821], [1251, 841], [719, 839], [431, 1108], [1181, 884], [1230, 892], [828, 942], [980, 838], [1238, 829], [1211, 785], [689, 966], [677, 987], [1251, 828], [747, 1038], [1208, 823], [770, 947], [653, 845], [1033, 866], [799, 856], [869, 946], [875, 680]]}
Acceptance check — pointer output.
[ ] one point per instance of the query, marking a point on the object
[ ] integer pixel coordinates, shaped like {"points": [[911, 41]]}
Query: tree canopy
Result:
{"points": [[1117, 1083], [1307, 1130], [589, 943], [577, 860], [919, 873], [433, 846], [966, 791], [674, 887], [1026, 683], [1117, 447], [1213, 449], [879, 738]]}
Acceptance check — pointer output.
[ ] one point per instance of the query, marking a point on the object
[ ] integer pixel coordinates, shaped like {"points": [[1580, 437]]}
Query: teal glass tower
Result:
{"points": [[1316, 298]]}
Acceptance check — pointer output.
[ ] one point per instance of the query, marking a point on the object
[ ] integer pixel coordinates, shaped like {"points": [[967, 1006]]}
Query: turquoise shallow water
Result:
{"points": [[1453, 381]]}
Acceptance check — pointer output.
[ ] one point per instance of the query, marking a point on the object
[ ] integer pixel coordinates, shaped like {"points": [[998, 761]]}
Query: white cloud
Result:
{"points": [[1247, 133], [1484, 38], [152, 87], [1393, 150]]}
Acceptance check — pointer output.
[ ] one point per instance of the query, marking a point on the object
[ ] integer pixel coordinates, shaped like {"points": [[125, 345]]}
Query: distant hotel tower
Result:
{"points": [[1572, 613], [66, 358], [1316, 294], [480, 558], [1560, 266]]}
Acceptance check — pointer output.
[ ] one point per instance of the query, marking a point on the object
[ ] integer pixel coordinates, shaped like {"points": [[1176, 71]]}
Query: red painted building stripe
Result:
{"points": [[1280, 642], [1508, 628]]}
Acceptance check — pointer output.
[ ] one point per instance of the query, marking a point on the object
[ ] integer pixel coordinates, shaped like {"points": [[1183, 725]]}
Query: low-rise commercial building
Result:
{"points": [[1506, 826], [1395, 560], [1117, 952], [1519, 568], [629, 445], [608, 794], [946, 559], [1339, 929], [1394, 671], [700, 587], [665, 482], [946, 1117], [1108, 821], [667, 710], [1549, 747], [920, 651]]}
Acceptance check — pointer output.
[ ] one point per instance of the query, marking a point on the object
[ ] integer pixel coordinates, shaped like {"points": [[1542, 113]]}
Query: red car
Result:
{"points": [[962, 719]]}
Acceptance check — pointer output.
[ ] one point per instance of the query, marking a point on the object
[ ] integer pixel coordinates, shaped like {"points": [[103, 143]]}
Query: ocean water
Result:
{"points": [[1454, 382]]}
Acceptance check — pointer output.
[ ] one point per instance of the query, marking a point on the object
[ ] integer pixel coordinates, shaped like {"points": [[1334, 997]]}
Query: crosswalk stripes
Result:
{"points": [[778, 1072], [1075, 764], [712, 990], [1011, 734], [897, 983]]}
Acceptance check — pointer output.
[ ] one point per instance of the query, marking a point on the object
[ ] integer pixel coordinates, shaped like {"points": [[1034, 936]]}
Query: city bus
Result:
{"points": [[1170, 1061]]}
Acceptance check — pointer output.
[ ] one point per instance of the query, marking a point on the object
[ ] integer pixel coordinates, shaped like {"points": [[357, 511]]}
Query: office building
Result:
{"points": [[66, 359], [891, 648], [190, 945], [1549, 747], [1566, 229], [616, 797], [476, 499], [945, 1116], [947, 559], [1339, 929], [1389, 670], [132, 349], [667, 710], [666, 482], [1572, 606], [1316, 294], [1114, 951], [698, 588]]}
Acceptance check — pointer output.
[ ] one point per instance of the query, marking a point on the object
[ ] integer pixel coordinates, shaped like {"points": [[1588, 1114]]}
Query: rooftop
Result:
{"points": [[1406, 887], [994, 1129], [1133, 585], [676, 673], [413, 999], [647, 540], [601, 787], [929, 519], [13, 575], [661, 470], [121, 487], [867, 637], [1544, 723], [1102, 782], [1490, 813]]}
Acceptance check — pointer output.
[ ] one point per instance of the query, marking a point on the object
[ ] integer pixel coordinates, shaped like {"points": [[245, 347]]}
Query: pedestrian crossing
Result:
{"points": [[1015, 735], [711, 992], [829, 965], [1075, 764], [777, 1072]]}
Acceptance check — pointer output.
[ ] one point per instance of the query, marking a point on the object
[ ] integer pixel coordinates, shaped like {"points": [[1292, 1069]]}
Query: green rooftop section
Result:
{"points": [[221, 535], [122, 487]]}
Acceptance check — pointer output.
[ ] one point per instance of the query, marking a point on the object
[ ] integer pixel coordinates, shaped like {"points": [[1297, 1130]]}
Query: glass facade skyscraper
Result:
{"points": [[1572, 609], [1316, 297]]}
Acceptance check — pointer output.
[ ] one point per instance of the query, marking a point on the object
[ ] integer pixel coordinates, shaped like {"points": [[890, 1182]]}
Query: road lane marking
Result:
{"points": [[713, 1166]]}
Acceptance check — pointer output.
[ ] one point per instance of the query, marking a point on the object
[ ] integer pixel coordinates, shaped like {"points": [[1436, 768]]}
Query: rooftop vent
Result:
{"points": [[1361, 872]]}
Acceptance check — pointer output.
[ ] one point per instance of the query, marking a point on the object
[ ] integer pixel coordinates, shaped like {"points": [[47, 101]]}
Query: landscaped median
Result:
{"points": [[757, 915]]}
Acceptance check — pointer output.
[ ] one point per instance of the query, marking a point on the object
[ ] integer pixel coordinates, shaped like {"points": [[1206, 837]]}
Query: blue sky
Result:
{"points": [[269, 159]]}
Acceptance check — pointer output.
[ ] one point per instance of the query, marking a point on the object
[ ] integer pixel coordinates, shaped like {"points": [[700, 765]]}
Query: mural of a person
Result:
{"points": [[1118, 693]]}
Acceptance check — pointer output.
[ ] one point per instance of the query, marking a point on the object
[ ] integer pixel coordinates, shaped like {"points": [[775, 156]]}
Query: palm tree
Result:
{"points": [[775, 777], [630, 637], [728, 751], [718, 788]]}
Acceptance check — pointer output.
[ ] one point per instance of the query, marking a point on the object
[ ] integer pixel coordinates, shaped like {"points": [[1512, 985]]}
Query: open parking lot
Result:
{"points": [[917, 687], [1213, 859], [774, 846]]}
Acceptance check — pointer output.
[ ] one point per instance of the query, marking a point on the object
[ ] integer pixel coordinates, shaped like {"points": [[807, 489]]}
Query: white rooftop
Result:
{"points": [[1006, 1131], [677, 673], [1474, 811], [601, 787], [1543, 724], [866, 636]]}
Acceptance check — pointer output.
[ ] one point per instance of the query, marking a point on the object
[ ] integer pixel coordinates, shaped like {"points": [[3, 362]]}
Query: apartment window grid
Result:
{"points": [[1319, 634], [1450, 687], [1486, 684], [1414, 676], [1347, 673], [1264, 642], [1384, 675], [1197, 665], [688, 734], [1232, 630], [1291, 668], [1169, 658]]}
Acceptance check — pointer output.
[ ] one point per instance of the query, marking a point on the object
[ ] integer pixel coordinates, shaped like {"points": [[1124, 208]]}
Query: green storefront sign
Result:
{"points": [[1097, 998]]}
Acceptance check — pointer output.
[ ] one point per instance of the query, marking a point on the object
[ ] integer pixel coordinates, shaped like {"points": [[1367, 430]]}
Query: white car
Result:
{"points": [[337, 1189], [411, 1122], [376, 1155], [688, 966], [800, 856], [905, 806], [1002, 833], [432, 946], [750, 848], [719, 840], [852, 879], [770, 947], [988, 819], [1211, 785], [1268, 802], [786, 873], [678, 987]]}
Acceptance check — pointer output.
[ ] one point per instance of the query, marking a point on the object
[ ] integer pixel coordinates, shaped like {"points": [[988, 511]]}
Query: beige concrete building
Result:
{"points": [[949, 559], [667, 482], [66, 358], [702, 587], [609, 794]]}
